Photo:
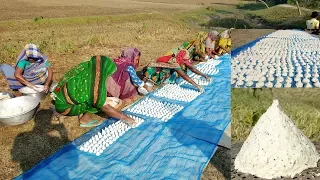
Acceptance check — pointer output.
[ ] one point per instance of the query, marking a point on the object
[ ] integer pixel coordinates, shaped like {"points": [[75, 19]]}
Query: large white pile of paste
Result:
{"points": [[276, 147]]}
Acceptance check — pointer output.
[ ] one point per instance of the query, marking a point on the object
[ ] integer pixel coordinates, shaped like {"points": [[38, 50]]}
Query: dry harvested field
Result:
{"points": [[29, 9]]}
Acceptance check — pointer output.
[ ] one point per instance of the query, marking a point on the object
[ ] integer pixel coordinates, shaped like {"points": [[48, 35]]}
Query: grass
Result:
{"points": [[69, 38], [230, 22], [200, 16], [282, 17], [257, 16], [301, 105], [251, 6]]}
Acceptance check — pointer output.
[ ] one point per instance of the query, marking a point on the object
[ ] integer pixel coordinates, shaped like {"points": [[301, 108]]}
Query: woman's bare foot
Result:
{"points": [[86, 118]]}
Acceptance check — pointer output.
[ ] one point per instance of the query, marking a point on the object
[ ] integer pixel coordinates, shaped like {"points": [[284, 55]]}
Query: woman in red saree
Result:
{"points": [[167, 68]]}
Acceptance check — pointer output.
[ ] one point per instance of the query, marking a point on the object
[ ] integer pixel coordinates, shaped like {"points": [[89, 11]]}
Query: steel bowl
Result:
{"points": [[30, 104], [6, 93], [53, 86], [30, 92]]}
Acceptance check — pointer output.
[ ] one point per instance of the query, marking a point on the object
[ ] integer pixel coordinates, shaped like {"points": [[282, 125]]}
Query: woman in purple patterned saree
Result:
{"points": [[32, 68]]}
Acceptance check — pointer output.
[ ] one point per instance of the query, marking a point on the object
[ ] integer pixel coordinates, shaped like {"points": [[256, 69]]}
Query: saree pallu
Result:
{"points": [[196, 47], [35, 73], [199, 43], [83, 89], [225, 43], [120, 84]]}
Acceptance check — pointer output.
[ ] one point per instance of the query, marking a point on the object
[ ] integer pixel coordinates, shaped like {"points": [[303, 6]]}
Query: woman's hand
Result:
{"points": [[112, 112], [35, 88], [200, 88], [131, 122], [148, 88], [46, 88], [38, 89], [208, 78], [143, 90], [196, 71]]}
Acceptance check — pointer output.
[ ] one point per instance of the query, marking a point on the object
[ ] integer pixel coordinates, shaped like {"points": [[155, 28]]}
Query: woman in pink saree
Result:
{"points": [[124, 82]]}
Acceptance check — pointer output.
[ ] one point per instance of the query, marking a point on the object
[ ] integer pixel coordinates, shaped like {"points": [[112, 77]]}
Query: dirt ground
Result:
{"points": [[244, 36], [30, 9]]}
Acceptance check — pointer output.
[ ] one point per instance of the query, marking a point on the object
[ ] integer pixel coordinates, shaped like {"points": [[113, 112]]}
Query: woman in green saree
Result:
{"points": [[83, 90]]}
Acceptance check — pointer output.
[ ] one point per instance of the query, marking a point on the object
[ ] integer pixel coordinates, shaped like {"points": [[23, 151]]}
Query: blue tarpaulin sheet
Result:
{"points": [[178, 149]]}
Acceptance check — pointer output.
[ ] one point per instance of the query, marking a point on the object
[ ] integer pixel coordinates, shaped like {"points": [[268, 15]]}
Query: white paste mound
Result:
{"points": [[4, 96], [276, 147], [11, 112]]}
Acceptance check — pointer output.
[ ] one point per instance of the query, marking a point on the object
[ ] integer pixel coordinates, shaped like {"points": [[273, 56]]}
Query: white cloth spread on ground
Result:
{"points": [[276, 147]]}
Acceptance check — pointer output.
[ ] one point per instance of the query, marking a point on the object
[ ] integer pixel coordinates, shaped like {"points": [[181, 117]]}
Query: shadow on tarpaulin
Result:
{"points": [[178, 149]]}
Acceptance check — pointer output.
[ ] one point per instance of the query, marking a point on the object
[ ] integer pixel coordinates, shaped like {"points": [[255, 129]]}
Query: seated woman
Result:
{"points": [[32, 68], [168, 68], [124, 82], [203, 45], [224, 42], [313, 23], [211, 44], [83, 90]]}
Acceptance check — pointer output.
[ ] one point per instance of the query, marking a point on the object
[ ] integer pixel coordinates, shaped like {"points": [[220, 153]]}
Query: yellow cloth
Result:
{"points": [[199, 42], [225, 43], [170, 52], [312, 23]]}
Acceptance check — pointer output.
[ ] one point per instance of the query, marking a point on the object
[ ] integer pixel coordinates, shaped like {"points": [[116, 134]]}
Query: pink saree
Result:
{"points": [[119, 84]]}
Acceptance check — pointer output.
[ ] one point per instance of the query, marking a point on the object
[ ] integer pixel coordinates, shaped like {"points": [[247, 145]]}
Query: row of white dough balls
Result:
{"points": [[102, 140]]}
